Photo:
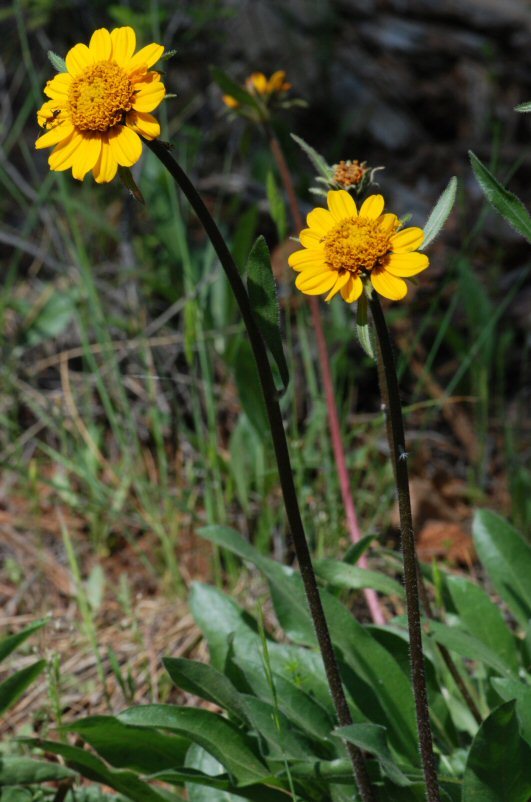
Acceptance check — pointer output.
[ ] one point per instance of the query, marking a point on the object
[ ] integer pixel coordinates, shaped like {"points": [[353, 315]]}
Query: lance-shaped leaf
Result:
{"points": [[9, 644], [264, 301], [26, 771], [12, 688], [439, 213], [363, 327], [499, 762], [316, 159], [373, 739], [506, 203], [57, 62]]}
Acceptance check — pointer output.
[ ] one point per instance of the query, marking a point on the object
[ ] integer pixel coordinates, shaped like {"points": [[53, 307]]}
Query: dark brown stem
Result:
{"points": [[391, 394], [371, 596], [282, 457]]}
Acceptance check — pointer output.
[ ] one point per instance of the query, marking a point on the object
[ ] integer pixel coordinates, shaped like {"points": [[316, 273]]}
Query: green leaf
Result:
{"points": [[12, 642], [510, 689], [316, 159], [16, 794], [523, 106], [483, 619], [373, 739], [277, 207], [131, 747], [24, 771], [390, 702], [12, 688], [219, 737], [277, 730], [126, 177], [91, 767], [250, 389], [218, 617], [54, 317], [262, 291], [498, 768], [364, 327], [458, 640], [57, 62], [352, 577], [356, 550], [507, 560], [230, 87], [439, 213], [506, 203], [207, 683]]}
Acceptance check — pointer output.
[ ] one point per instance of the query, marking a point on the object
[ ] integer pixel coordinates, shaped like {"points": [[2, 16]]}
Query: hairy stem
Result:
{"points": [[391, 396], [371, 596], [282, 457]]}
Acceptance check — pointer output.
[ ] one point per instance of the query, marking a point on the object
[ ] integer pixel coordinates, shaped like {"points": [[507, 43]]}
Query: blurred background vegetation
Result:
{"points": [[128, 413]]}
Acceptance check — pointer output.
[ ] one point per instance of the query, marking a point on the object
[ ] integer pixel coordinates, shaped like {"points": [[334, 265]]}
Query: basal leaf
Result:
{"points": [[25, 771], [507, 559], [373, 739], [131, 747], [498, 767], [506, 203], [207, 683], [351, 577], [219, 737], [483, 619]]}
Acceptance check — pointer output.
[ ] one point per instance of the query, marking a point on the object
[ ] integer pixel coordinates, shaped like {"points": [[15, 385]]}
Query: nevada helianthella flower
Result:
{"points": [[349, 173], [257, 84], [343, 248], [100, 107]]}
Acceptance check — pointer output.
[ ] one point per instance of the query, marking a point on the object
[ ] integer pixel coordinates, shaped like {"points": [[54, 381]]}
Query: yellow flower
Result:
{"points": [[344, 248], [257, 84], [100, 107]]}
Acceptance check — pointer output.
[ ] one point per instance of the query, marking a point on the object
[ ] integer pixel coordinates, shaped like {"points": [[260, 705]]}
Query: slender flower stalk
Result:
{"points": [[390, 391], [371, 596], [282, 457]]}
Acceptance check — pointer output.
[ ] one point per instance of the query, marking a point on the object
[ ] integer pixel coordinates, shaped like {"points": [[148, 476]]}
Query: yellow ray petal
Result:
{"points": [[352, 289], [148, 95], [389, 286], [62, 157], [341, 205], [320, 221], [106, 166], [123, 44], [59, 87], [300, 259], [100, 44], [309, 238], [409, 239], [315, 285], [77, 60], [144, 124], [372, 207], [314, 270], [86, 156], [342, 280], [406, 264], [126, 146], [388, 222], [145, 57], [54, 136]]}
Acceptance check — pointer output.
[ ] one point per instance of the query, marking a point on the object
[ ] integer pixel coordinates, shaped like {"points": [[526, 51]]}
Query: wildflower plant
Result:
{"points": [[339, 723]]}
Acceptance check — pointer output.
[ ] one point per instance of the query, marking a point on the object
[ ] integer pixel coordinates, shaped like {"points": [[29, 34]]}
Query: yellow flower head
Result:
{"points": [[101, 106], [343, 248], [349, 173], [257, 84]]}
